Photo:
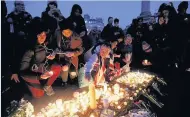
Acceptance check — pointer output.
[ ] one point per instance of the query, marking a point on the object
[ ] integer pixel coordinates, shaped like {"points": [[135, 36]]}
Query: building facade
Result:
{"points": [[93, 23]]}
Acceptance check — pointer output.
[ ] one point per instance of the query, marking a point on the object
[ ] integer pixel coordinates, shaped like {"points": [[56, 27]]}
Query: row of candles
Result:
{"points": [[110, 96]]}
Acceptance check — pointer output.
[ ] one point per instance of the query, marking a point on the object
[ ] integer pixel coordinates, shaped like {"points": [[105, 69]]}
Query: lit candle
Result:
{"points": [[59, 103], [92, 95], [98, 93], [145, 61], [125, 103], [118, 107], [105, 87], [116, 89]]}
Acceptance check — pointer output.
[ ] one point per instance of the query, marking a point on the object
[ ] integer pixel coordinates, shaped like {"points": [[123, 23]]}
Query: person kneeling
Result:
{"points": [[34, 66]]}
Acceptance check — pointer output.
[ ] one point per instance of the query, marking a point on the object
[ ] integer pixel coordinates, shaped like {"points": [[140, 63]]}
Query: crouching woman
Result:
{"points": [[95, 68], [34, 65]]}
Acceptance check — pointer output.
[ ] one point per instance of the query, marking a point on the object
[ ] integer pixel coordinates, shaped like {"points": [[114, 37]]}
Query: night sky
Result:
{"points": [[124, 10]]}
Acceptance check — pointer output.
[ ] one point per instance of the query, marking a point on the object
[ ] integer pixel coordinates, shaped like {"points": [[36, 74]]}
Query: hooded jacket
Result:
{"points": [[79, 20]]}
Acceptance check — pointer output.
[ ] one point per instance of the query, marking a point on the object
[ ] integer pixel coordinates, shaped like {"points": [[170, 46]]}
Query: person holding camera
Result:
{"points": [[52, 16]]}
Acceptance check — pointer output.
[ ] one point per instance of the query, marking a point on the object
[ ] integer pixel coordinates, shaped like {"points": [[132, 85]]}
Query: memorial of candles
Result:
{"points": [[113, 96]]}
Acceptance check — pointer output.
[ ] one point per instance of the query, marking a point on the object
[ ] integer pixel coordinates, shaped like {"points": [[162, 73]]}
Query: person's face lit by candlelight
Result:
{"points": [[41, 37], [161, 20], [104, 51], [67, 33], [128, 40]]}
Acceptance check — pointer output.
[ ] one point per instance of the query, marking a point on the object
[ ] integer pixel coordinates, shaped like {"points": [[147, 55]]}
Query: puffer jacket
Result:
{"points": [[33, 62]]}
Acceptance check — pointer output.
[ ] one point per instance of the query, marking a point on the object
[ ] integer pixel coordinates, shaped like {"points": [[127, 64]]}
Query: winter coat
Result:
{"points": [[18, 43], [33, 62], [106, 32], [80, 24], [73, 44], [117, 33], [20, 21]]}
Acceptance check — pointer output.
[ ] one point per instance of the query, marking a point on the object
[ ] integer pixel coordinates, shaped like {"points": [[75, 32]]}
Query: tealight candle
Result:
{"points": [[59, 103], [118, 107], [92, 115], [116, 89], [137, 91], [131, 98], [116, 103], [125, 103]]}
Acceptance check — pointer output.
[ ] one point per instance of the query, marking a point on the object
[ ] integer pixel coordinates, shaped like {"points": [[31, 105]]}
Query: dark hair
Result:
{"points": [[36, 27], [52, 2], [116, 20], [75, 7], [66, 24], [182, 5], [107, 44], [109, 18]]}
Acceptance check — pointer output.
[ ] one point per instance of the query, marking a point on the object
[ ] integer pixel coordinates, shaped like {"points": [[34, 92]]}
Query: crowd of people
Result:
{"points": [[51, 46]]}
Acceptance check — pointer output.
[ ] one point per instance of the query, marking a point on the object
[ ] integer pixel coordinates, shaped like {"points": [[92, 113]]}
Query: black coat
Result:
{"points": [[80, 24], [117, 33], [106, 32]]}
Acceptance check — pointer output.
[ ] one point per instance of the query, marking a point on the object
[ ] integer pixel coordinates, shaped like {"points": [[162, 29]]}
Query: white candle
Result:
{"points": [[116, 89], [92, 95], [105, 87], [59, 103]]}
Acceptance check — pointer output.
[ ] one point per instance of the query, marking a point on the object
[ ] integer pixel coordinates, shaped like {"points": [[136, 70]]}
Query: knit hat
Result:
{"points": [[145, 46]]}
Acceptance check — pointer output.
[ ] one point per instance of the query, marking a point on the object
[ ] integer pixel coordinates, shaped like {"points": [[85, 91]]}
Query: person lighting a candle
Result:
{"points": [[96, 66]]}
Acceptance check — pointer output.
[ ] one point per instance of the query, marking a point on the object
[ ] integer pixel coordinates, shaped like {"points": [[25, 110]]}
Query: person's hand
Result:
{"points": [[70, 54], [21, 33], [10, 20], [15, 78], [51, 57], [82, 33], [46, 75]]}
